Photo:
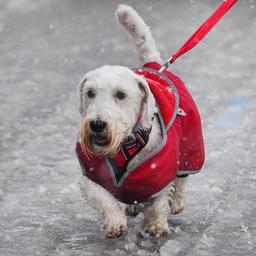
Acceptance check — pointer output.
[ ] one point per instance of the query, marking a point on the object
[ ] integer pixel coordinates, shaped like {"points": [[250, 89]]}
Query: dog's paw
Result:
{"points": [[117, 230], [178, 204], [134, 209], [116, 227], [156, 229]]}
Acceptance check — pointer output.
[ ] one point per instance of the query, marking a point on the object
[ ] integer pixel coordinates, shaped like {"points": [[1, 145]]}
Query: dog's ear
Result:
{"points": [[80, 88], [148, 107]]}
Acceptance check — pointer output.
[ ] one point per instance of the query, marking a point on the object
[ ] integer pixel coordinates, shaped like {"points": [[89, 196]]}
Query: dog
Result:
{"points": [[127, 119]]}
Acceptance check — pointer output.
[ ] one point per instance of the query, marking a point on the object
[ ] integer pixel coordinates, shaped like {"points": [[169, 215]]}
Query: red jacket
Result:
{"points": [[180, 153]]}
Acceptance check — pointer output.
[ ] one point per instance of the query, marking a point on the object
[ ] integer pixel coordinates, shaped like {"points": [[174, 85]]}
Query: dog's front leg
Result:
{"points": [[114, 218], [156, 216]]}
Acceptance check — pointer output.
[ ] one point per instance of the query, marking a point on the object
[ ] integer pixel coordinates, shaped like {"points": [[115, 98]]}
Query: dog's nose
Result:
{"points": [[98, 125]]}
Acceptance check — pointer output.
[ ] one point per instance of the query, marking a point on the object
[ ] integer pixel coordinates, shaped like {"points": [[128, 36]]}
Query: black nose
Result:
{"points": [[97, 125]]}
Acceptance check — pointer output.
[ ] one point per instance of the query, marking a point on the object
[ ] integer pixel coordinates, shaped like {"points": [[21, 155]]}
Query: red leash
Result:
{"points": [[201, 32]]}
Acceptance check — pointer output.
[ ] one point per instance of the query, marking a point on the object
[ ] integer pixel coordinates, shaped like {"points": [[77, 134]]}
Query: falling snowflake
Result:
{"points": [[153, 166]]}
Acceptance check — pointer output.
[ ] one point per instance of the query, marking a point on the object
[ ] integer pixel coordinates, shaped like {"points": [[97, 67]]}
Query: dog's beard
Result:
{"points": [[106, 143]]}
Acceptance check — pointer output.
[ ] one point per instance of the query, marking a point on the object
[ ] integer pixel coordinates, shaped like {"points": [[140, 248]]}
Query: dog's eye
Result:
{"points": [[120, 95], [91, 94]]}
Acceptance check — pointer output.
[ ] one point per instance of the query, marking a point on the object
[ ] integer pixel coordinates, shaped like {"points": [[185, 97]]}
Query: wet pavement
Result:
{"points": [[46, 47]]}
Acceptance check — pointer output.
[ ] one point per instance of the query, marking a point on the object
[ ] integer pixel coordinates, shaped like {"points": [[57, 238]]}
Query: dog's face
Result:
{"points": [[111, 100]]}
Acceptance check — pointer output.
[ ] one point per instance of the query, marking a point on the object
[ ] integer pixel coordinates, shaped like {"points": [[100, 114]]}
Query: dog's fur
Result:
{"points": [[98, 92]]}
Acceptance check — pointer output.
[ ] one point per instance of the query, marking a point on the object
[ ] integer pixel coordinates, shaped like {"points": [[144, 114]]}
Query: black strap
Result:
{"points": [[129, 149]]}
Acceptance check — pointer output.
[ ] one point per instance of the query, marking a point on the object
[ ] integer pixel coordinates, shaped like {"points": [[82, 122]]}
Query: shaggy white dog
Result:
{"points": [[111, 100]]}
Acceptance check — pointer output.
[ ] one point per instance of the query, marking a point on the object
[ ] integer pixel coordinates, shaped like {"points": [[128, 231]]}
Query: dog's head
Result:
{"points": [[112, 98]]}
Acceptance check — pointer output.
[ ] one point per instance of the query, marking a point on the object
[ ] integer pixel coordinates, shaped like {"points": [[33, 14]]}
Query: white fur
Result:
{"points": [[120, 116], [178, 200], [156, 216], [139, 33], [106, 81], [114, 218]]}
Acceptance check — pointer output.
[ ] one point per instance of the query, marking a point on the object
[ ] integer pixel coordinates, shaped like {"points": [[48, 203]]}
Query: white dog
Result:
{"points": [[115, 101]]}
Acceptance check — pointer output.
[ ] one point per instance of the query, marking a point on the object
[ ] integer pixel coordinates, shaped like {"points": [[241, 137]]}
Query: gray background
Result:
{"points": [[45, 48]]}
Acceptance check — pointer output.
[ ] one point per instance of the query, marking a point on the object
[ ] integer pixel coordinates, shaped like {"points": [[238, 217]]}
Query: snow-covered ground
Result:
{"points": [[46, 46]]}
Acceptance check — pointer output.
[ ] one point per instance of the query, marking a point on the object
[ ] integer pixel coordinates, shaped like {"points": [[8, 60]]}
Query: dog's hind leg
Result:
{"points": [[176, 196], [139, 33]]}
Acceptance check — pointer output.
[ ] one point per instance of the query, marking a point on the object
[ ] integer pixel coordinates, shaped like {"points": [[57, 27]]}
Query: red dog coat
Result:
{"points": [[180, 153]]}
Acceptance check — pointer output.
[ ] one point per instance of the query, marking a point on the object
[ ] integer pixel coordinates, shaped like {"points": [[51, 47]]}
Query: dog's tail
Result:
{"points": [[139, 33]]}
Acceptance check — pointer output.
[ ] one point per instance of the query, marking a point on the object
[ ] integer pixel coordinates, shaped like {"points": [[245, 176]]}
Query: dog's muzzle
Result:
{"points": [[98, 137]]}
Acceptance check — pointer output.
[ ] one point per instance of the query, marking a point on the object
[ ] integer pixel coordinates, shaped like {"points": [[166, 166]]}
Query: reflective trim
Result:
{"points": [[162, 190], [181, 172], [112, 173]]}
